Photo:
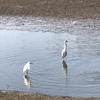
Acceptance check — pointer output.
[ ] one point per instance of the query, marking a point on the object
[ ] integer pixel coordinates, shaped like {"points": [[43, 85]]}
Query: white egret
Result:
{"points": [[64, 51], [27, 67]]}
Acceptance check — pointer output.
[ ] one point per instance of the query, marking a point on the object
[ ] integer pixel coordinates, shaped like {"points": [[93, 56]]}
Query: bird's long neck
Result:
{"points": [[65, 46]]}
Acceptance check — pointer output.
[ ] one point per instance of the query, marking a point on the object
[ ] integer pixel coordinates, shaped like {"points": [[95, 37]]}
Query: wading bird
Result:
{"points": [[64, 51], [27, 67]]}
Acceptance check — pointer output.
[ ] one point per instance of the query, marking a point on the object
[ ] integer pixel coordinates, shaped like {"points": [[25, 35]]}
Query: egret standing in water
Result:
{"points": [[27, 67], [64, 51]]}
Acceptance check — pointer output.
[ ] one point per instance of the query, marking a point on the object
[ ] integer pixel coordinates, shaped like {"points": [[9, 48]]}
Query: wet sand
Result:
{"points": [[15, 95], [47, 8]]}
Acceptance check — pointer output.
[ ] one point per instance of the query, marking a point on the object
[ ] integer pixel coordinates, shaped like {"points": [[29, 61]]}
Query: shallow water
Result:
{"points": [[40, 40]]}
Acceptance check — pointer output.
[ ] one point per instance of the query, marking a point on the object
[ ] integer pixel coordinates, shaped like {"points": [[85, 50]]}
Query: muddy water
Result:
{"points": [[40, 40]]}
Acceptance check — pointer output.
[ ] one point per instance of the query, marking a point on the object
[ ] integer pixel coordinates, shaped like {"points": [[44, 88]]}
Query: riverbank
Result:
{"points": [[51, 8], [15, 95]]}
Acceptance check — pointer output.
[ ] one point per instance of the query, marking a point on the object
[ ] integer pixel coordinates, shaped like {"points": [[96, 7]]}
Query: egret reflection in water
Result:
{"points": [[64, 67], [27, 80]]}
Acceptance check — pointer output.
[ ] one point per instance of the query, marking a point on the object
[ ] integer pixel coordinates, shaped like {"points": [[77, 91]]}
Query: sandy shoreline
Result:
{"points": [[45, 8], [51, 8], [16, 95]]}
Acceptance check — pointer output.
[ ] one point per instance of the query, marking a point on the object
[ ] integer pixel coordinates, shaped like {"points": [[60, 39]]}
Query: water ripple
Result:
{"points": [[40, 40]]}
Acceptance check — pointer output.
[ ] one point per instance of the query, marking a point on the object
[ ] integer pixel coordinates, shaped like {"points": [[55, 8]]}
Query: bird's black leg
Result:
{"points": [[27, 73]]}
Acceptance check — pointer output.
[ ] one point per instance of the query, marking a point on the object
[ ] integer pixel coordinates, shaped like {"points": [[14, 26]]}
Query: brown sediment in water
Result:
{"points": [[51, 8]]}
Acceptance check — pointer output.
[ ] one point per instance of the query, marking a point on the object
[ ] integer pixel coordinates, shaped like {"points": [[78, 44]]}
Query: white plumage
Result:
{"points": [[64, 51], [27, 67]]}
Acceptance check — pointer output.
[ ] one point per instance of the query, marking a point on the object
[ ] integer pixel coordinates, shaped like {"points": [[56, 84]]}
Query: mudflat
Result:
{"points": [[51, 8], [15, 95]]}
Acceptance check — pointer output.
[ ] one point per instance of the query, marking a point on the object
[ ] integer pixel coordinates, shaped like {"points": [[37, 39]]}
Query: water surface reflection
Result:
{"points": [[65, 67], [27, 80], [40, 40]]}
